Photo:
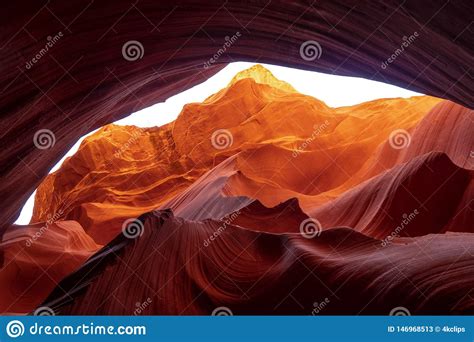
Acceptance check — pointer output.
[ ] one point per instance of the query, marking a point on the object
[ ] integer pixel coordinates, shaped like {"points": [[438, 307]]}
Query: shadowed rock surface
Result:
{"points": [[83, 80], [264, 273], [277, 213]]}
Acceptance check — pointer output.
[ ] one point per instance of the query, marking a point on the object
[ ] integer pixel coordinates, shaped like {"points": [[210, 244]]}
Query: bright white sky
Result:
{"points": [[335, 91]]}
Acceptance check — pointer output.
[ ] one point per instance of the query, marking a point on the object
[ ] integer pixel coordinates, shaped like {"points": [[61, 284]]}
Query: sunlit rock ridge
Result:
{"points": [[260, 187]]}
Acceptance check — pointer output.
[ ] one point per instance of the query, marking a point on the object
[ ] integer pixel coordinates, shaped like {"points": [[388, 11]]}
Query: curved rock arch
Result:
{"points": [[83, 81]]}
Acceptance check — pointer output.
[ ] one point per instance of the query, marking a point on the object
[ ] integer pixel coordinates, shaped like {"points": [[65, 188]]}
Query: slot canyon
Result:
{"points": [[259, 200]]}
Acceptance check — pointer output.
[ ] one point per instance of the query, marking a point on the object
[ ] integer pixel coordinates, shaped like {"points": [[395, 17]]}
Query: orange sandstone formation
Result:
{"points": [[260, 186], [122, 172], [37, 257]]}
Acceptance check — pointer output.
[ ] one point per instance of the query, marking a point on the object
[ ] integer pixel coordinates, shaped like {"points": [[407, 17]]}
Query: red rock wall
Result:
{"points": [[83, 81], [278, 212]]}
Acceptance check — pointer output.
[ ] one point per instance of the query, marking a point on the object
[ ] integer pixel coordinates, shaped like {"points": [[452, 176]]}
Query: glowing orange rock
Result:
{"points": [[288, 141], [37, 257], [237, 180]]}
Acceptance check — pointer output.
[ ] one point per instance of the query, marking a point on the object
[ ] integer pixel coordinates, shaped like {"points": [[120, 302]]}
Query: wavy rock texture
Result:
{"points": [[37, 257], [253, 272], [83, 81], [123, 172], [365, 208]]}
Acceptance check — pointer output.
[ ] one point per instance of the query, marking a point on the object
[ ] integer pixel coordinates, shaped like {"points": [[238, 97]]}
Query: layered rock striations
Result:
{"points": [[36, 258], [266, 201], [248, 272], [71, 67]]}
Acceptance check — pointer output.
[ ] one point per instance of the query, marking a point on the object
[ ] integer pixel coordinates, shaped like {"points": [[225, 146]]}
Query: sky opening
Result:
{"points": [[335, 91]]}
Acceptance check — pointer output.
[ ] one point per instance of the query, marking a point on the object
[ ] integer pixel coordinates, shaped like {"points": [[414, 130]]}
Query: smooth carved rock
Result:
{"points": [[373, 198], [83, 80]]}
